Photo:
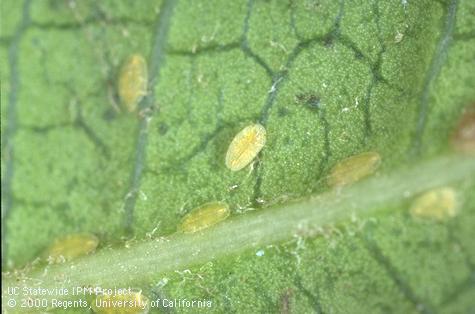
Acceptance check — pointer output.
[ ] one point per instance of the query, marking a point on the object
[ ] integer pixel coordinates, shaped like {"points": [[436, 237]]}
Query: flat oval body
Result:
{"points": [[71, 246], [245, 146], [463, 139], [204, 216], [130, 303], [133, 80], [437, 204], [353, 169]]}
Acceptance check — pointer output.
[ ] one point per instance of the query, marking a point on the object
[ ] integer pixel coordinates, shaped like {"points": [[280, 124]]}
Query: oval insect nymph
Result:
{"points": [[437, 204], [245, 146], [71, 246], [133, 80], [204, 216], [353, 169], [127, 303]]}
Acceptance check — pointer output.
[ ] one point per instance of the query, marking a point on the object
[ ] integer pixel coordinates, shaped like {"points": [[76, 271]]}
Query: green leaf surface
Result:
{"points": [[327, 79]]}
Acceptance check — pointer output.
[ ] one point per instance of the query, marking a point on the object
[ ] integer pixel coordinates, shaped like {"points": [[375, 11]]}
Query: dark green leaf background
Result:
{"points": [[328, 79]]}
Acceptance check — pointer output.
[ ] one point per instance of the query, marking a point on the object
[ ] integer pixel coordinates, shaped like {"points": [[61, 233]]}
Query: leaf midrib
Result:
{"points": [[301, 218]]}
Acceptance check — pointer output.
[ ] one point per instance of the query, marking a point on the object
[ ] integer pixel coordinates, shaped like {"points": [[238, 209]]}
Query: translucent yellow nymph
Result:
{"points": [[437, 204], [353, 169], [133, 80], [204, 216], [127, 303], [71, 246], [245, 146]]}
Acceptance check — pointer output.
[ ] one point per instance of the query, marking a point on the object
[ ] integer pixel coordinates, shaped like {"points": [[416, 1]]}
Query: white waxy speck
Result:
{"points": [[162, 283], [398, 38], [143, 196], [273, 88]]}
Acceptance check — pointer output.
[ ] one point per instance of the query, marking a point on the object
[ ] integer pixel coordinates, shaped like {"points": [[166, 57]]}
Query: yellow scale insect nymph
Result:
{"points": [[245, 146], [353, 169], [71, 246], [438, 204], [204, 217], [133, 80]]}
